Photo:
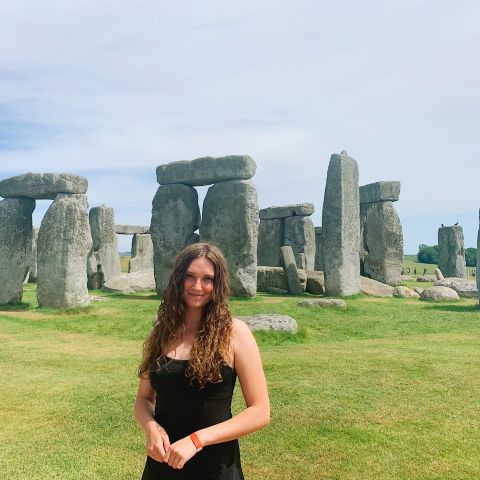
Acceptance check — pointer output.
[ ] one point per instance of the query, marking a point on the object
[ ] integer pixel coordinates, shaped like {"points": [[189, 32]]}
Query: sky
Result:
{"points": [[112, 89]]}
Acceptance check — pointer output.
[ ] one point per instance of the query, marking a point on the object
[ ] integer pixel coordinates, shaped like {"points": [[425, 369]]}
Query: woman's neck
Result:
{"points": [[193, 318]]}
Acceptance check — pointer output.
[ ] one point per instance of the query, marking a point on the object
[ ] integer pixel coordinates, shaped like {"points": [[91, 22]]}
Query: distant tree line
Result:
{"points": [[429, 254]]}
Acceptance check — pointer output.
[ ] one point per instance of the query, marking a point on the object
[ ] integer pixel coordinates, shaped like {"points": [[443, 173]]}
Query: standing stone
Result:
{"points": [[175, 217], [15, 246], [270, 238], [341, 227], [32, 268], [382, 242], [451, 252], [142, 253], [290, 270], [318, 249], [103, 261], [230, 221], [300, 235], [64, 242]]}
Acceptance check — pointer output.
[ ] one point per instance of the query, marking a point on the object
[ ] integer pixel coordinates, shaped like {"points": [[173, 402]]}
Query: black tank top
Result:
{"points": [[182, 409]]}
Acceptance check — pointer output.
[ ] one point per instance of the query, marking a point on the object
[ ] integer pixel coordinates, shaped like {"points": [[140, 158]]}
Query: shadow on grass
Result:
{"points": [[13, 307], [457, 308], [130, 296]]}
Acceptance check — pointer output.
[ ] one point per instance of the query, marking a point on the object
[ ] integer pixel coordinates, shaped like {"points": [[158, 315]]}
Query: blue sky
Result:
{"points": [[111, 89]]}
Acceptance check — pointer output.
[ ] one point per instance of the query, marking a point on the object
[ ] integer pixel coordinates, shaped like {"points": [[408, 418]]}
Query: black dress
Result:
{"points": [[182, 409]]}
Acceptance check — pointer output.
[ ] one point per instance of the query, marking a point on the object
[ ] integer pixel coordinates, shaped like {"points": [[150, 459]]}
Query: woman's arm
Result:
{"points": [[248, 364], [157, 441]]}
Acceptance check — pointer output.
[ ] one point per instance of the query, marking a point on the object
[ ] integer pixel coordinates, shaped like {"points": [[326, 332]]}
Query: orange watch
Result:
{"points": [[198, 444]]}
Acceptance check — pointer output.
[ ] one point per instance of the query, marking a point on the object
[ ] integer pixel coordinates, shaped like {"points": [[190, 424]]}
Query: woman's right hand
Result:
{"points": [[157, 441]]}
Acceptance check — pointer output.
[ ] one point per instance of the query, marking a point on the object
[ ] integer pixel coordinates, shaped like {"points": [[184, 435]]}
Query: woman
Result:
{"points": [[187, 376]]}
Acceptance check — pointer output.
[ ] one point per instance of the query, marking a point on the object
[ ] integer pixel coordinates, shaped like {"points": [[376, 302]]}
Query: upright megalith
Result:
{"points": [[64, 242], [286, 225], [32, 266], [230, 221], [175, 217], [15, 246], [290, 270], [300, 235], [319, 249], [207, 170], [451, 251], [42, 185], [381, 249], [271, 233], [103, 261], [341, 227], [142, 253]]}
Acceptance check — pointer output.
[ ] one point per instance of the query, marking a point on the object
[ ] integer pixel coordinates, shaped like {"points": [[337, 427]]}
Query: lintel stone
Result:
{"points": [[43, 186], [207, 170], [132, 229], [284, 211], [380, 192]]}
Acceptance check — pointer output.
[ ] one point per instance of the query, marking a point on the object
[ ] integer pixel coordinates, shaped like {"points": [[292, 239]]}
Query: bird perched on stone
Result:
{"points": [[442, 225], [456, 223]]}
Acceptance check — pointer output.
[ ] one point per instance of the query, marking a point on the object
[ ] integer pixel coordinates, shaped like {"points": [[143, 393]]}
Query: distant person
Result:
{"points": [[473, 273], [402, 272], [415, 271], [424, 271], [408, 270]]}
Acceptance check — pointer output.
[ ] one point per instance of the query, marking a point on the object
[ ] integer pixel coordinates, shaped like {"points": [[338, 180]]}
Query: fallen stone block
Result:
{"points": [[271, 321], [323, 302]]}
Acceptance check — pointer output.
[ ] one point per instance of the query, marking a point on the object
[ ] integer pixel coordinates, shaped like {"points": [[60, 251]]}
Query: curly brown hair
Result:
{"points": [[212, 347]]}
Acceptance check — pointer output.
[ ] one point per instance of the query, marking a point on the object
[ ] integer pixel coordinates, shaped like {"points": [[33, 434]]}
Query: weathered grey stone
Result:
{"points": [[284, 211], [270, 277], [377, 289], [103, 261], [271, 321], [451, 252], [230, 221], [341, 227], [465, 288], [175, 217], [207, 170], [382, 242], [419, 290], [380, 192], [15, 246], [404, 292], [270, 238], [439, 294], [42, 185], [132, 229], [426, 278], [323, 302], [32, 264], [142, 253], [140, 281], [315, 282], [439, 274], [278, 291], [64, 241], [300, 235], [318, 249], [290, 270]]}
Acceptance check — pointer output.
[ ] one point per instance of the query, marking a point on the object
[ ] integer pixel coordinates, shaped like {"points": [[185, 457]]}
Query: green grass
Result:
{"points": [[410, 261], [384, 389]]}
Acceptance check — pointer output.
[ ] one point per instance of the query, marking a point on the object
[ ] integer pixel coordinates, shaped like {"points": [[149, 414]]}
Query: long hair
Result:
{"points": [[212, 346]]}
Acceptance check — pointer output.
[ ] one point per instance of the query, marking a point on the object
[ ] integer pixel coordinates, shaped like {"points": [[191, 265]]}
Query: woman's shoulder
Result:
{"points": [[241, 333]]}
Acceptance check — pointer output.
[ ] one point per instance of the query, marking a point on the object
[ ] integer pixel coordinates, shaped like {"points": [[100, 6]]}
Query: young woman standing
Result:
{"points": [[190, 363]]}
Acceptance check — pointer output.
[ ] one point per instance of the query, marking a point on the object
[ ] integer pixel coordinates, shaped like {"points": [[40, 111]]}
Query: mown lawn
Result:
{"points": [[384, 389]]}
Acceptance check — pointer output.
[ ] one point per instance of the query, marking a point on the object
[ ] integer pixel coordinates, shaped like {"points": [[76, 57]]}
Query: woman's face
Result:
{"points": [[198, 283]]}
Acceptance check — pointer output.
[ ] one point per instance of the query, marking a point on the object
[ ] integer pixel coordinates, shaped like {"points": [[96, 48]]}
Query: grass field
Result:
{"points": [[384, 389]]}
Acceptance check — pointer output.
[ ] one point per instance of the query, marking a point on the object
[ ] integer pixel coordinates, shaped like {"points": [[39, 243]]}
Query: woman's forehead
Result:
{"points": [[202, 266]]}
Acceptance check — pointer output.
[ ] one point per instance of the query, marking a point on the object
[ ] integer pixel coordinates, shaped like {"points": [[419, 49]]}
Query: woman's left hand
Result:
{"points": [[180, 453]]}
